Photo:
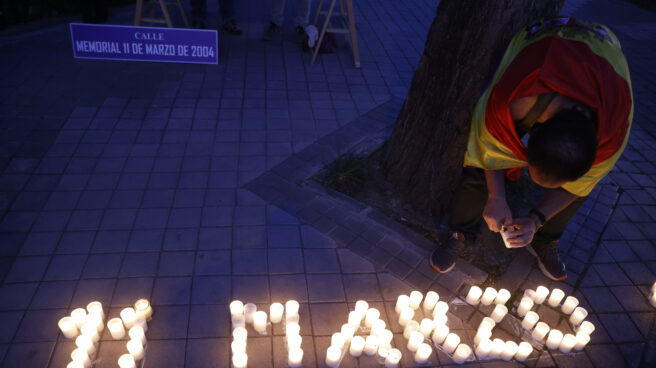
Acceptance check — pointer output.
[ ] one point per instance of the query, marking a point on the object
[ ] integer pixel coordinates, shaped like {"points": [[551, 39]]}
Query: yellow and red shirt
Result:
{"points": [[580, 60]]}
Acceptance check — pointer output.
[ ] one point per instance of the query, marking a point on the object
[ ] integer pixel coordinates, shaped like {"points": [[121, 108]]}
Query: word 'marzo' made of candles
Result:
{"points": [[488, 348], [86, 325]]}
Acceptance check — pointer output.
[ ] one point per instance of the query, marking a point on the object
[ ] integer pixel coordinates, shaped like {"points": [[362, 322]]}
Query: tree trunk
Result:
{"points": [[426, 151]]}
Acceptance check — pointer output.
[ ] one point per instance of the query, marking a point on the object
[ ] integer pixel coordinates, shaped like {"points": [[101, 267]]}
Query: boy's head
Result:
{"points": [[562, 149]]}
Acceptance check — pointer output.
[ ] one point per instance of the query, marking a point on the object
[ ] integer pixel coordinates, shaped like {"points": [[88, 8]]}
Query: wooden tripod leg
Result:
{"points": [[353, 34], [137, 13], [322, 33], [165, 11]]}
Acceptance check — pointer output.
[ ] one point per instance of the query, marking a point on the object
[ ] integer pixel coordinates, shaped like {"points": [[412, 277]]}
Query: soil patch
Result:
{"points": [[360, 177]]}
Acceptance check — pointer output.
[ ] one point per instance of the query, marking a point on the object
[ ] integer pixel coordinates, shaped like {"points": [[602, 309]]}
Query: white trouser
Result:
{"points": [[302, 17]]}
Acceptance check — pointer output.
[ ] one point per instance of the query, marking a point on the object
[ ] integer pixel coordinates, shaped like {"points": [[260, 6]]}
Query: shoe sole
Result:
{"points": [[437, 268], [530, 249]]}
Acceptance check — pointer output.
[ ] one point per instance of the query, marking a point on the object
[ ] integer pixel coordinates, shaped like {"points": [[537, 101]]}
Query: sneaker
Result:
{"points": [[312, 34], [444, 257], [548, 260], [272, 32], [232, 27]]}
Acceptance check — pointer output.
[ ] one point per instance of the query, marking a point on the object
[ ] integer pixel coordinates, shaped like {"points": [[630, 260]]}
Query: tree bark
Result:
{"points": [[467, 38]]}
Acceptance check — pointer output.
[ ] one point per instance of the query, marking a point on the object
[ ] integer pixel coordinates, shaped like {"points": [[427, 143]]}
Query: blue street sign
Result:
{"points": [[174, 45]]}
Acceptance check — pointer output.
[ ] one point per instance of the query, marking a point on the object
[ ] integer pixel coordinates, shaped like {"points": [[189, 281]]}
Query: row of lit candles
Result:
{"points": [[555, 339], [86, 325], [243, 314]]}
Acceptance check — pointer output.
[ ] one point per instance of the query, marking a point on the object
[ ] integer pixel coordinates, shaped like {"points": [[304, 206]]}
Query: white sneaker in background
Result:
{"points": [[313, 34]]}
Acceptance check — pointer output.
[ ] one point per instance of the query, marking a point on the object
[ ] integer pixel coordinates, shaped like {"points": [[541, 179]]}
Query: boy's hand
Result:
{"points": [[521, 232], [497, 214]]}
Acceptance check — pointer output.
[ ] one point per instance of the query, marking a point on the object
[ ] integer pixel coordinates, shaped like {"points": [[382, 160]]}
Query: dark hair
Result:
{"points": [[563, 147]]}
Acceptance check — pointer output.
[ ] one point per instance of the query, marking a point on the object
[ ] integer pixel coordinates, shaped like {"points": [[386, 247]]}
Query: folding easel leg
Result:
{"points": [[137, 13], [165, 11], [322, 33], [184, 14], [353, 34], [316, 15]]}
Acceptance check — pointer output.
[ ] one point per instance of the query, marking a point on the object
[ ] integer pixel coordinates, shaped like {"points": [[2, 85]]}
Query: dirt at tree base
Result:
{"points": [[487, 251]]}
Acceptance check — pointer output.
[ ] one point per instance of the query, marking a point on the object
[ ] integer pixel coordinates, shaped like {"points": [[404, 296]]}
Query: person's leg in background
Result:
{"points": [[465, 214], [302, 18], [545, 242], [277, 17], [198, 13], [228, 17]]}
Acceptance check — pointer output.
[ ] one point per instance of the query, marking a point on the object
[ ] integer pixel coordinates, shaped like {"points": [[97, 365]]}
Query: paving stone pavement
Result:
{"points": [[124, 180]]}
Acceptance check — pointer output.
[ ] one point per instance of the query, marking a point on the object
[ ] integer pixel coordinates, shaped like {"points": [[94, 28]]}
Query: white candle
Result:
{"points": [[524, 306], [249, 312], [79, 316], [89, 329], [509, 351], [416, 339], [529, 293], [275, 312], [525, 349], [554, 339], [238, 321], [652, 299], [556, 296], [410, 327], [239, 334], [137, 333], [75, 364], [338, 340], [292, 329], [129, 317], [489, 295], [462, 353], [451, 342], [487, 324], [440, 334], [440, 309], [96, 308], [386, 338], [415, 299], [587, 327], [377, 327], [483, 349], [568, 343], [294, 342], [291, 309], [96, 320], [371, 345], [260, 322], [393, 358], [240, 361], [406, 315], [423, 353], [357, 346], [135, 349], [582, 339], [430, 301], [354, 319], [569, 304], [116, 329], [372, 315], [333, 355], [68, 327], [474, 295], [481, 335], [529, 321], [578, 316], [81, 356], [499, 312], [653, 288], [295, 358], [402, 302], [440, 319], [347, 331], [236, 308], [85, 343], [540, 331], [126, 361], [498, 346], [502, 296], [361, 307], [540, 294], [143, 308], [426, 327]]}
